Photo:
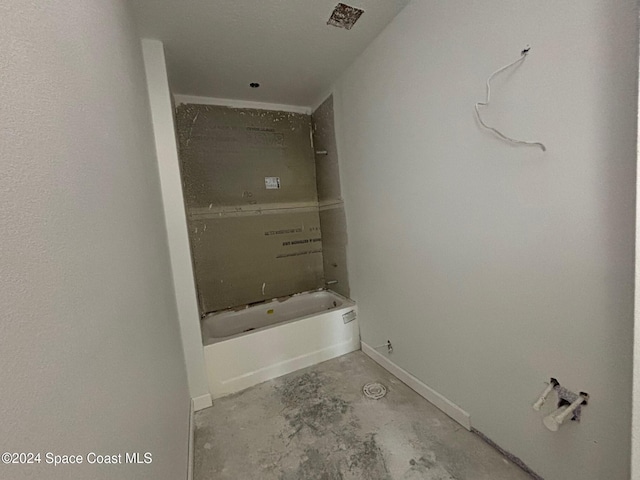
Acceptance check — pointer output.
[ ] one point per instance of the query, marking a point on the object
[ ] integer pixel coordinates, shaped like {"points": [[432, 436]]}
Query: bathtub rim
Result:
{"points": [[347, 304]]}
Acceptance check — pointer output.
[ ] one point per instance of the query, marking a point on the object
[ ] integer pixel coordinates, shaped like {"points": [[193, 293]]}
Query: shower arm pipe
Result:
{"points": [[523, 55]]}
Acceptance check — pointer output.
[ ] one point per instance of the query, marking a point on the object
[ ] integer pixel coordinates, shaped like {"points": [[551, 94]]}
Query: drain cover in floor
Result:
{"points": [[374, 390]]}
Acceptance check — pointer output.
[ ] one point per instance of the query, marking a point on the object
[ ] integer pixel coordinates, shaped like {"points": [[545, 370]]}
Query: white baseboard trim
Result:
{"points": [[202, 402], [191, 448], [438, 400]]}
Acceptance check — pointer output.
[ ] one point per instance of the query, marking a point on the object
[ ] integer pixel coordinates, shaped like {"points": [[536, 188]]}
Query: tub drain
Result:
{"points": [[374, 390]]}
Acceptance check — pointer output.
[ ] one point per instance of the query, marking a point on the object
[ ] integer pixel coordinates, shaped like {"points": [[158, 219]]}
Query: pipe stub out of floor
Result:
{"points": [[374, 390]]}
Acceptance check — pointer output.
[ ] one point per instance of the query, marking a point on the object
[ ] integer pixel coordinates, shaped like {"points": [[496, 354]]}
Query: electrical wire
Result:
{"points": [[523, 55]]}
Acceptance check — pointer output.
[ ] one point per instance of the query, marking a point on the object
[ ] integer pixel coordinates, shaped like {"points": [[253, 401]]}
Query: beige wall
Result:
{"points": [[492, 267], [90, 346]]}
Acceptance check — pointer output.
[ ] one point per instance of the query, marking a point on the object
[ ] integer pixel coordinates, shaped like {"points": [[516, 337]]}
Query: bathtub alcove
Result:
{"points": [[260, 342], [268, 240]]}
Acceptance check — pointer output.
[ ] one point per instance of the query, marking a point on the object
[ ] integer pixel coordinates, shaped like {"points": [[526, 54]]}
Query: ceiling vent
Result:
{"points": [[344, 16]]}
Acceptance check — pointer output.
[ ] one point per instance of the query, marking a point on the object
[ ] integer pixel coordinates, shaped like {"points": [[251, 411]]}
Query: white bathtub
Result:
{"points": [[251, 345]]}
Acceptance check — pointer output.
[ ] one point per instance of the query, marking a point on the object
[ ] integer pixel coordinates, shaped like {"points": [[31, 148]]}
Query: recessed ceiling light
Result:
{"points": [[254, 85], [344, 16]]}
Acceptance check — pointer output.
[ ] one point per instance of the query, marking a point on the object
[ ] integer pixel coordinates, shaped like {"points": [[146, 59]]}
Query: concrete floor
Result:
{"points": [[315, 424]]}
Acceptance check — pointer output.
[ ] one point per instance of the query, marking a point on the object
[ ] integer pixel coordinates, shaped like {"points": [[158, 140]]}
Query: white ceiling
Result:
{"points": [[215, 48]]}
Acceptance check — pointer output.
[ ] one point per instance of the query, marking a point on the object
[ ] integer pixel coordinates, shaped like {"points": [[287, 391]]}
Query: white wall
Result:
{"points": [[492, 267], [176, 220], [89, 341], [635, 432]]}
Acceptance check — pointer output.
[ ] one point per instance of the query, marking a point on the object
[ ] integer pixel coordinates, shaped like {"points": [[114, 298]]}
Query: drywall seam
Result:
{"points": [[328, 204], [257, 209], [422, 389], [175, 216], [250, 213], [228, 102], [339, 205]]}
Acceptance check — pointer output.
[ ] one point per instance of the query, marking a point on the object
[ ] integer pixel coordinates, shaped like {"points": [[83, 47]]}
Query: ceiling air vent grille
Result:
{"points": [[344, 16]]}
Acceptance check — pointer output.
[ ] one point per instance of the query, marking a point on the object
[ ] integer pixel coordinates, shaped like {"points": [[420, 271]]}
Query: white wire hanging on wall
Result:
{"points": [[523, 55]]}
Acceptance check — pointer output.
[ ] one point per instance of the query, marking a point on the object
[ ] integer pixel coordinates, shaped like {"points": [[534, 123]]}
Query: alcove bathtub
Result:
{"points": [[247, 346]]}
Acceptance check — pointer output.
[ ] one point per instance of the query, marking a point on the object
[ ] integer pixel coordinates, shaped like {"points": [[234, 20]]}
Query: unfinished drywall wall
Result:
{"points": [[332, 218], [252, 203], [493, 267], [90, 350]]}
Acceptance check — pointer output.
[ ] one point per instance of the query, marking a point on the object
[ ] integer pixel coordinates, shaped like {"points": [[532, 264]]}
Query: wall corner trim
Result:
{"points": [[174, 214], [422, 389], [202, 402]]}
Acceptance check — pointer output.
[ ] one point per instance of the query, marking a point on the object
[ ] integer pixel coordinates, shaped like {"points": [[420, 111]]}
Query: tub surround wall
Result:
{"points": [[249, 242], [226, 154], [493, 267], [332, 217], [241, 259]]}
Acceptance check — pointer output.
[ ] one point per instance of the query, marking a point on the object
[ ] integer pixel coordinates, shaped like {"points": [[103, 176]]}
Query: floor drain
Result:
{"points": [[374, 390]]}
